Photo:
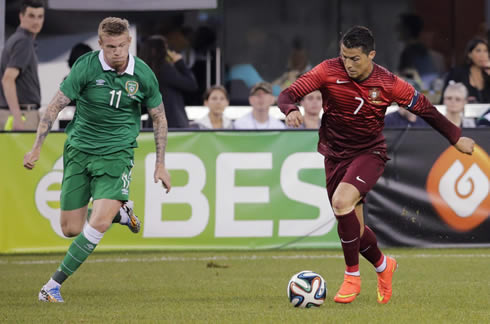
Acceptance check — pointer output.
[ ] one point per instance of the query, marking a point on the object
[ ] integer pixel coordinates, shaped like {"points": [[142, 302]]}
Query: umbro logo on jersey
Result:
{"points": [[342, 81], [100, 82]]}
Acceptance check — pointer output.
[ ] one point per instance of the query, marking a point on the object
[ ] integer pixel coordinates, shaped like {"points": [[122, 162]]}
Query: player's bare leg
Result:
{"points": [[344, 201], [84, 244], [72, 221], [125, 216]]}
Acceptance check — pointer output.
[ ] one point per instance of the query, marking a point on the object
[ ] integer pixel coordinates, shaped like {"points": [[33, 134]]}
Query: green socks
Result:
{"points": [[79, 250], [83, 245]]}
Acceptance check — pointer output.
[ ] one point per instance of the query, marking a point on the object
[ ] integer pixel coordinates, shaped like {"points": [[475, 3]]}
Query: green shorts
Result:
{"points": [[97, 176]]}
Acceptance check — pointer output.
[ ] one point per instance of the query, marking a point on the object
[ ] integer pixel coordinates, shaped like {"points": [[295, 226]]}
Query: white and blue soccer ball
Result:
{"points": [[307, 289]]}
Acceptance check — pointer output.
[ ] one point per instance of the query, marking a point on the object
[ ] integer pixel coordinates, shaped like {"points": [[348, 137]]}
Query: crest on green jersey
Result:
{"points": [[132, 87]]}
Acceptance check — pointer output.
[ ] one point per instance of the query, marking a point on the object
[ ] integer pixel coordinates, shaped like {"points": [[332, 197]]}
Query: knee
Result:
{"points": [[100, 225], [341, 205], [70, 231]]}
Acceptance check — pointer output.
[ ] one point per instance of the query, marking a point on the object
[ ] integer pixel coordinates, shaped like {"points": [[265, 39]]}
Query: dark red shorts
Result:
{"points": [[362, 171]]}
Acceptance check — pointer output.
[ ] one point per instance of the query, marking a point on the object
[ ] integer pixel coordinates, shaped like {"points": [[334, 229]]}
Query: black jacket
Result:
{"points": [[462, 74], [175, 81]]}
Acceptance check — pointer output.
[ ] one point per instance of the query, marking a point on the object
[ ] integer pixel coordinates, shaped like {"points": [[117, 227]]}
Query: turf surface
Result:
{"points": [[430, 286]]}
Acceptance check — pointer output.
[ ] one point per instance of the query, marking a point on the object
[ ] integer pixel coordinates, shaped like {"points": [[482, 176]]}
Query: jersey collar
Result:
{"points": [[129, 69]]}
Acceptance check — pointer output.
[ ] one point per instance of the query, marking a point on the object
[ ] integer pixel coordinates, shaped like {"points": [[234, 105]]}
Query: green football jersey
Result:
{"points": [[108, 105]]}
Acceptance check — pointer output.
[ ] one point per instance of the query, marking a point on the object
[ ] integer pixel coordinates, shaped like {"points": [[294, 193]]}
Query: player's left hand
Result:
{"points": [[161, 174], [465, 145], [30, 159], [294, 119]]}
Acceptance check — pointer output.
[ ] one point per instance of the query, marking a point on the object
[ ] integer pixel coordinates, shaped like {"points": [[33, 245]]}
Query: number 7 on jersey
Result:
{"points": [[358, 107]]}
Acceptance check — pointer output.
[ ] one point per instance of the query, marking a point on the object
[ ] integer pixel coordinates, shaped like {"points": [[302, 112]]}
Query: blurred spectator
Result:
{"points": [[248, 74], [416, 55], [455, 98], [242, 74], [76, 51], [412, 76], [297, 65], [216, 99], [473, 73], [261, 99], [312, 103], [174, 77], [403, 118], [20, 91], [203, 48], [484, 119]]}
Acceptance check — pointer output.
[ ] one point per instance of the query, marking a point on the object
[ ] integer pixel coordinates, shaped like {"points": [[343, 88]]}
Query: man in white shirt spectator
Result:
{"points": [[261, 99]]}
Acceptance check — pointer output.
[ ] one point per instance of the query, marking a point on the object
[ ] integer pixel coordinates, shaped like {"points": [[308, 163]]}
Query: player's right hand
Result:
{"points": [[30, 159], [465, 145], [294, 119]]}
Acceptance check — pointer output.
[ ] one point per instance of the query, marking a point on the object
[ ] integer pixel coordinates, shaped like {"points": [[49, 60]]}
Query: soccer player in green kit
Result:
{"points": [[109, 87]]}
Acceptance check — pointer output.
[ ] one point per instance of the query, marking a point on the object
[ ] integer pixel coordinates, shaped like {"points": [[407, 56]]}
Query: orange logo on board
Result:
{"points": [[458, 187]]}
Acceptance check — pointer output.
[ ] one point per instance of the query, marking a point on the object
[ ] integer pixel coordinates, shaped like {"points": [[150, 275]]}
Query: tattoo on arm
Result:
{"points": [[56, 105], [160, 129]]}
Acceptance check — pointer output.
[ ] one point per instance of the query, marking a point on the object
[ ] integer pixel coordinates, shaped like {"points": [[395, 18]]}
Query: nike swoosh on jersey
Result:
{"points": [[342, 81], [359, 179]]}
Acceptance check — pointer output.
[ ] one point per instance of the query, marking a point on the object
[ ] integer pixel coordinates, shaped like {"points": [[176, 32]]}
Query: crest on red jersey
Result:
{"points": [[374, 94]]}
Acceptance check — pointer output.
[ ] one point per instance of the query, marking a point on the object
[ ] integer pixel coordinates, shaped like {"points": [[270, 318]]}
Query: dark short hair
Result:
{"points": [[264, 86], [32, 4], [154, 52], [412, 24], [212, 88], [359, 36], [78, 50]]}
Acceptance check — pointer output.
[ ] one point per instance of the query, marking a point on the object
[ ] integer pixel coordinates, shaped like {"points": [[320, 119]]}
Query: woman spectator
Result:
{"points": [[216, 99], [473, 74], [455, 98], [174, 78]]}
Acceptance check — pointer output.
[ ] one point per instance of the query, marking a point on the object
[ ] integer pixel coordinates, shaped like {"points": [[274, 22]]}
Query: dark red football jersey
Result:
{"points": [[354, 112]]}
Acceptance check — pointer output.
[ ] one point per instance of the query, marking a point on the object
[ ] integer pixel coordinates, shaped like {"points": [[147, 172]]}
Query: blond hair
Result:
{"points": [[113, 26], [456, 87]]}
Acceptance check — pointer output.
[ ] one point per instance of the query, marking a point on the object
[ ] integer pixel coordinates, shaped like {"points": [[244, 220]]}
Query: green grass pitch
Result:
{"points": [[430, 286]]}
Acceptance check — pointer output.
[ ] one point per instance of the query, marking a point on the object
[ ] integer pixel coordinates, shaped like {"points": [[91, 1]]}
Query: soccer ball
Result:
{"points": [[306, 289]]}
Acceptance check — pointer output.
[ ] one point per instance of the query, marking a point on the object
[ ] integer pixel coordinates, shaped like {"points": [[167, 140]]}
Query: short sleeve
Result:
{"points": [[75, 81], [21, 54], [404, 94], [153, 98]]}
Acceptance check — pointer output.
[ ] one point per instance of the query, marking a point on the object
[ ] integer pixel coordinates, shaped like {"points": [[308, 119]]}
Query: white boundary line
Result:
{"points": [[239, 258]]}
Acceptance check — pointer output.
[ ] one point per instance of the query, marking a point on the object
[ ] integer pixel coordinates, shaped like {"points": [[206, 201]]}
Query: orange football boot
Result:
{"points": [[350, 288], [384, 281]]}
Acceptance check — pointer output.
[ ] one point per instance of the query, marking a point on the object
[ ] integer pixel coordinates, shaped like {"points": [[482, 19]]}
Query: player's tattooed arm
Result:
{"points": [[59, 102], [56, 105], [160, 129]]}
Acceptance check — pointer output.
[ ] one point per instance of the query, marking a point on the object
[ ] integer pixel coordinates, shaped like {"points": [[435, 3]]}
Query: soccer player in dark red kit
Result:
{"points": [[356, 92]]}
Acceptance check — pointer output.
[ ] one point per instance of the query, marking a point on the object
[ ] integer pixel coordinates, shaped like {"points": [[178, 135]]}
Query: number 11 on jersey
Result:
{"points": [[113, 93]]}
